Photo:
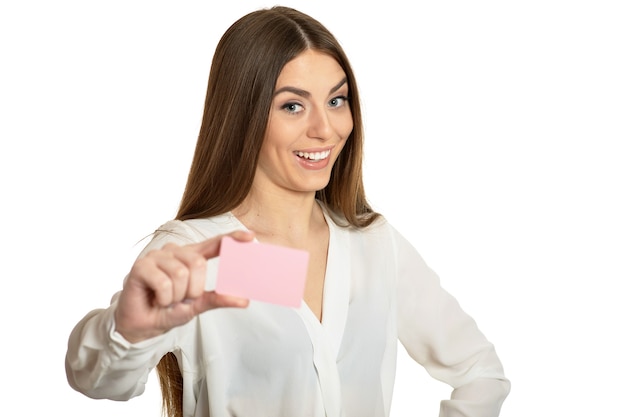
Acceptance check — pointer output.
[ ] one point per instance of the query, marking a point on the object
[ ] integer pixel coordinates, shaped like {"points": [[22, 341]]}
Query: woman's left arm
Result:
{"points": [[439, 335]]}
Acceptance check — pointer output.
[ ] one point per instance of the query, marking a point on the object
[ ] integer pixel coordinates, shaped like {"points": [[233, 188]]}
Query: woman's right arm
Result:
{"points": [[112, 351]]}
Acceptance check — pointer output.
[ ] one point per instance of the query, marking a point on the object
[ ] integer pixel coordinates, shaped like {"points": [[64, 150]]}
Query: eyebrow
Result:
{"points": [[306, 94]]}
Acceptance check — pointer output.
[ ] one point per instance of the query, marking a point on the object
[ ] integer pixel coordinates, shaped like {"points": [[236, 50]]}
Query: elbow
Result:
{"points": [[91, 386]]}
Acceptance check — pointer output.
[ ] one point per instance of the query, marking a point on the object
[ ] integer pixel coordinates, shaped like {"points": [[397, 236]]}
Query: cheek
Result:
{"points": [[344, 139], [344, 131], [274, 138], [344, 126]]}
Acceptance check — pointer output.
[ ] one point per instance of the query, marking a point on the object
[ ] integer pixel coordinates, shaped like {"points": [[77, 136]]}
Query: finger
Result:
{"points": [[178, 274], [211, 248], [147, 275], [196, 266], [242, 235], [211, 300]]}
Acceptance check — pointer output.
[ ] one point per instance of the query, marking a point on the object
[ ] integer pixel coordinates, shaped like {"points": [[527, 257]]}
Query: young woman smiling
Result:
{"points": [[278, 159]]}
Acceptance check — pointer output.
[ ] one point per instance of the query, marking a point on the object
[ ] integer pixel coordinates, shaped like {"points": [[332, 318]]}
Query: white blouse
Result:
{"points": [[270, 360]]}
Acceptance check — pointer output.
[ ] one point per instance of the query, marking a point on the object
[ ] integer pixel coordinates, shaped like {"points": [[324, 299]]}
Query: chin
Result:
{"points": [[314, 186]]}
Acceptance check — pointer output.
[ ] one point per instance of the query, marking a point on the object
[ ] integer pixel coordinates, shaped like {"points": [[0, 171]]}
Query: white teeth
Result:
{"points": [[313, 156]]}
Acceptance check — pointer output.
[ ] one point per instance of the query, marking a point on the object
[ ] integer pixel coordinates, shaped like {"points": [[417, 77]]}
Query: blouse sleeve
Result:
{"points": [[439, 335], [100, 363]]}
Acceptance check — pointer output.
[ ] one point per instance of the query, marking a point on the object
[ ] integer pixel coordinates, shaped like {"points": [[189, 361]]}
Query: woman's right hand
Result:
{"points": [[165, 289]]}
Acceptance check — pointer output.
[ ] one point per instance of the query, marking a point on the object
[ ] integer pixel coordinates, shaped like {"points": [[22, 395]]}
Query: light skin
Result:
{"points": [[165, 289], [310, 114], [309, 123]]}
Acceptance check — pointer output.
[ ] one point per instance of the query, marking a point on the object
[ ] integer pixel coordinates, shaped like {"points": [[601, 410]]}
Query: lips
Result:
{"points": [[313, 156]]}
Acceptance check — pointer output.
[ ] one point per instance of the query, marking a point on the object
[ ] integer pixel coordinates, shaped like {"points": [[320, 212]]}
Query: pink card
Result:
{"points": [[261, 271]]}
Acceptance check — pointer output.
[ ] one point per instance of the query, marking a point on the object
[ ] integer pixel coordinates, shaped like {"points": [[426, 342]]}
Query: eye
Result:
{"points": [[292, 108], [338, 101]]}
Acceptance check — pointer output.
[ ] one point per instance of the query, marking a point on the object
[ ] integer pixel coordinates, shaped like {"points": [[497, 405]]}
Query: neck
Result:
{"points": [[283, 219]]}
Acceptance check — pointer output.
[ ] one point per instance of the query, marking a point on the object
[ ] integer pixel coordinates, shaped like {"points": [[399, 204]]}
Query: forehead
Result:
{"points": [[311, 68]]}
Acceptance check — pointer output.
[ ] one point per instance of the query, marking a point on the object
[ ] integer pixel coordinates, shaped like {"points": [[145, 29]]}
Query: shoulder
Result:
{"points": [[184, 232], [336, 219], [378, 235], [386, 238]]}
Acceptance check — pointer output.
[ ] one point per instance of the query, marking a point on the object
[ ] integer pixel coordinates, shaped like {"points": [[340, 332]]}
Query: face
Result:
{"points": [[309, 122]]}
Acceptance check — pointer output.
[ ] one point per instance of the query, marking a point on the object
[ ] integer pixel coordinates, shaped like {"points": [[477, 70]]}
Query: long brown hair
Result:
{"points": [[247, 62]]}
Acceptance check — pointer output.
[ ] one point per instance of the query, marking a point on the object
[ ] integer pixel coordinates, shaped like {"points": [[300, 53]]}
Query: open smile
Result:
{"points": [[313, 156]]}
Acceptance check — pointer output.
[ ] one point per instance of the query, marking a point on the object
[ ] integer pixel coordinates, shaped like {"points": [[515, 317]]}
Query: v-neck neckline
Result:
{"points": [[337, 281]]}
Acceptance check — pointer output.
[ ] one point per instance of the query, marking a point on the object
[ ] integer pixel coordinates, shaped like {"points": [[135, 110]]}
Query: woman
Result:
{"points": [[279, 153]]}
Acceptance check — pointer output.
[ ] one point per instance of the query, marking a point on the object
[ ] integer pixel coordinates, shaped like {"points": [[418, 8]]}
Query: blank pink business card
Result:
{"points": [[261, 271]]}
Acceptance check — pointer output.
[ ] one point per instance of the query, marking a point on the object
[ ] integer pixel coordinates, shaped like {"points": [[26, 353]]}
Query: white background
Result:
{"points": [[495, 143]]}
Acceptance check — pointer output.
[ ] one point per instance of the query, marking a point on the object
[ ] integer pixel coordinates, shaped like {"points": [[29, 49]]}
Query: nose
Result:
{"points": [[320, 124]]}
